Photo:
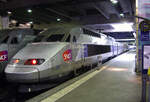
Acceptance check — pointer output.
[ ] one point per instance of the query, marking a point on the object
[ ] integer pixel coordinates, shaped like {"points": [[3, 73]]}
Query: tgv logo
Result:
{"points": [[3, 56], [67, 55]]}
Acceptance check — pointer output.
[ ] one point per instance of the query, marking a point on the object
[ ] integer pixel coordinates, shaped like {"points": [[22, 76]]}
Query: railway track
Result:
{"points": [[14, 93], [20, 93]]}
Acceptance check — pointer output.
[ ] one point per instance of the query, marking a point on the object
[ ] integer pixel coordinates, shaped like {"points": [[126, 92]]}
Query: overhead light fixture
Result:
{"points": [[9, 12], [31, 22], [114, 1], [122, 27], [29, 11], [28, 24], [122, 15], [58, 19], [13, 21]]}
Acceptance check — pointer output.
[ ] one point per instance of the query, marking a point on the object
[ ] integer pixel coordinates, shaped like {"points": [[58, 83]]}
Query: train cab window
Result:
{"points": [[5, 40], [56, 37], [14, 40], [39, 38], [74, 39]]}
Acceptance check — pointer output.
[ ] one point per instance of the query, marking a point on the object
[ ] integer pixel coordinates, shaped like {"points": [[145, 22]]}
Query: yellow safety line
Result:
{"points": [[61, 93]]}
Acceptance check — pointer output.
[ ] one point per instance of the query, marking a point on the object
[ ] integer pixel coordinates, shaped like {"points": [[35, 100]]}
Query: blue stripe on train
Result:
{"points": [[85, 50]]}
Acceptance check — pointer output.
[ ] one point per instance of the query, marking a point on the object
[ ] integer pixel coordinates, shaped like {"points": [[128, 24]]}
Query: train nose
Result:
{"points": [[22, 74]]}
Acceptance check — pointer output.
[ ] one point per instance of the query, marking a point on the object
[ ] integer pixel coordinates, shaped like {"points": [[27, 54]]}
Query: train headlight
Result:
{"points": [[34, 62], [14, 61]]}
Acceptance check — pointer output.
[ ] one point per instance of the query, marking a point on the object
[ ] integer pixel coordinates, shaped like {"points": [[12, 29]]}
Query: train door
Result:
{"points": [[115, 48], [76, 52], [112, 49], [74, 47]]}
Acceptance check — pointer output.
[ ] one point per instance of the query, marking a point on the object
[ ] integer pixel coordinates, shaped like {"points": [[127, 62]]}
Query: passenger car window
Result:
{"points": [[98, 49]]}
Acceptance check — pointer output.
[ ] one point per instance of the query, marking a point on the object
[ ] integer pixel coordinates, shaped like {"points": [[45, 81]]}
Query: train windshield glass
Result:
{"points": [[4, 36], [39, 38], [56, 37], [5, 40]]}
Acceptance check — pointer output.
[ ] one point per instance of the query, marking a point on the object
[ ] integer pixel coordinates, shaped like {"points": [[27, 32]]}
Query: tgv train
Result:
{"points": [[11, 41], [60, 51]]}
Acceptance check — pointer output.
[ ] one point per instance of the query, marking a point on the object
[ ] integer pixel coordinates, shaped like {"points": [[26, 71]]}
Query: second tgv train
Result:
{"points": [[11, 41], [58, 52]]}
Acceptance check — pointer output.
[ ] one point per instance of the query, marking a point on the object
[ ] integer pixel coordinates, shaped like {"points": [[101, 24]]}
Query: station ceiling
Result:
{"points": [[96, 14]]}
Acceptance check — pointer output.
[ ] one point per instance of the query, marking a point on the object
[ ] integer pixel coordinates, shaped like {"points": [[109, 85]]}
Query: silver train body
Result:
{"points": [[59, 53], [11, 41]]}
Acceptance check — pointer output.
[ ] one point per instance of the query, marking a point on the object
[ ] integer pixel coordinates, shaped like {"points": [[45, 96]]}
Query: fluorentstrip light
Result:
{"points": [[29, 11], [122, 15], [123, 26], [31, 22], [58, 19], [114, 1], [9, 12]]}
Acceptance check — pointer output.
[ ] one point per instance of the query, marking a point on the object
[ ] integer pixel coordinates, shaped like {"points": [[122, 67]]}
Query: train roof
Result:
{"points": [[73, 30], [57, 30], [27, 31]]}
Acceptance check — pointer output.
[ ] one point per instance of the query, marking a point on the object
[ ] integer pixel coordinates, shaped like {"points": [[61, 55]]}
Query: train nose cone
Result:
{"points": [[22, 74]]}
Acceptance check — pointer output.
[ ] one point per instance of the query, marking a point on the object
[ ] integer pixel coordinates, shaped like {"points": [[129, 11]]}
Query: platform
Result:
{"points": [[115, 81]]}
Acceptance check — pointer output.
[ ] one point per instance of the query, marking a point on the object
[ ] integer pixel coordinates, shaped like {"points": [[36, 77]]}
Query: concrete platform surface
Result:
{"points": [[117, 82]]}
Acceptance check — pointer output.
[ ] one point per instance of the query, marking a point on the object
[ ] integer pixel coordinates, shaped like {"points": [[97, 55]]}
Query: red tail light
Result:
{"points": [[34, 61]]}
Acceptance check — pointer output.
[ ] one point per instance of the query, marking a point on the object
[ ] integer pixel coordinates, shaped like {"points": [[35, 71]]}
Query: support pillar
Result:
{"points": [[137, 43], [4, 22]]}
